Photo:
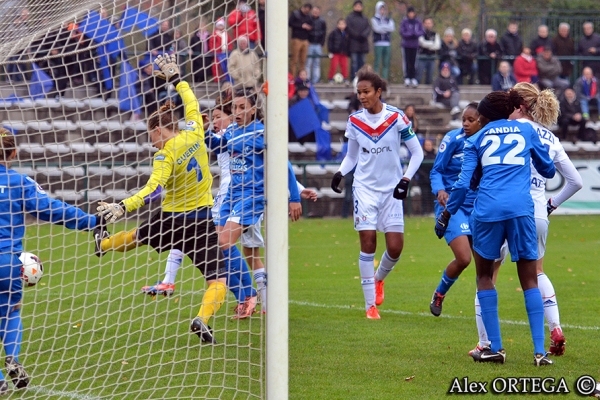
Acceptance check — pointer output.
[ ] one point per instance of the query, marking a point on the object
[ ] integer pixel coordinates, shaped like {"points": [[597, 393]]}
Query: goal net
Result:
{"points": [[76, 90]]}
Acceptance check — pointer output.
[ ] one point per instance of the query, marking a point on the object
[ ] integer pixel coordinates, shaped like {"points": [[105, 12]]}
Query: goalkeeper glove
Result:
{"points": [[111, 212], [550, 207], [441, 224], [401, 189], [335, 182], [169, 70]]}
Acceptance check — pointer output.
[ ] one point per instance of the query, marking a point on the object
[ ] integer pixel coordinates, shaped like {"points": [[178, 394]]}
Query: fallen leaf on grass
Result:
{"points": [[409, 378]]}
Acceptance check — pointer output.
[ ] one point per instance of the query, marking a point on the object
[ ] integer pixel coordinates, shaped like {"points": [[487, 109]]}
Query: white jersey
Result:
{"points": [[379, 137], [538, 183]]}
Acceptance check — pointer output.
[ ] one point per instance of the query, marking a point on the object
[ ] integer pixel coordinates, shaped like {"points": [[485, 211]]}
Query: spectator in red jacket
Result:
{"points": [[219, 45], [525, 67], [243, 21]]}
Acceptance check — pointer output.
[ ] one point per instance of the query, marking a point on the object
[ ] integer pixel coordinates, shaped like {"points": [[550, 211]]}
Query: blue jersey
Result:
{"points": [[19, 195], [245, 145], [448, 163], [504, 150]]}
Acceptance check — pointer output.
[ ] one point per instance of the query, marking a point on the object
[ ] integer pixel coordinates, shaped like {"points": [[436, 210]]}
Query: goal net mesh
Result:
{"points": [[76, 89]]}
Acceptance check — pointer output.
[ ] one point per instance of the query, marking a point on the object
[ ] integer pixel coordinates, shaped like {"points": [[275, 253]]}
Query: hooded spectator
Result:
{"points": [[382, 26], [411, 29]]}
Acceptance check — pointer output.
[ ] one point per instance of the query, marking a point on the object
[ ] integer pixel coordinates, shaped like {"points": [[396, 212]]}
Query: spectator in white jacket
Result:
{"points": [[383, 26], [429, 44]]}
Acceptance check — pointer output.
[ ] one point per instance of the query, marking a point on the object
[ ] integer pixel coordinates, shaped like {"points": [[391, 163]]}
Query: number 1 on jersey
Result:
{"points": [[193, 165]]}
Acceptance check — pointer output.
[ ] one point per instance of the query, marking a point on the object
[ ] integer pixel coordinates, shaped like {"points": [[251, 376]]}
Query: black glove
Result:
{"points": [[550, 207], [401, 189], [335, 182], [441, 224]]}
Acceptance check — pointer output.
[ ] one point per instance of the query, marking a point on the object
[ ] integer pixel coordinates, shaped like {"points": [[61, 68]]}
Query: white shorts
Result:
{"points": [[377, 211], [252, 236], [541, 229]]}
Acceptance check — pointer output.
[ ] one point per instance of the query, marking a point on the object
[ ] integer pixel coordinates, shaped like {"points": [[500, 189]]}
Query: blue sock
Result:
{"points": [[11, 334], [488, 300], [233, 262], [445, 283], [535, 312]]}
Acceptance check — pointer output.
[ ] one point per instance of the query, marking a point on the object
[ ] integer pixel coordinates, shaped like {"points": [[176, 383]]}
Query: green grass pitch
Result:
{"points": [[90, 333]]}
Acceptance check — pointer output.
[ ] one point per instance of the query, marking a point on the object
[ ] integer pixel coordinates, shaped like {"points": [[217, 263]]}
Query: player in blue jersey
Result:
{"points": [[374, 136], [541, 109], [444, 174], [243, 205], [19, 196], [503, 210]]}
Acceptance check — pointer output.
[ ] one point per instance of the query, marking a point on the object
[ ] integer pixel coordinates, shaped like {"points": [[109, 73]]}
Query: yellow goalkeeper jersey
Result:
{"points": [[181, 168]]}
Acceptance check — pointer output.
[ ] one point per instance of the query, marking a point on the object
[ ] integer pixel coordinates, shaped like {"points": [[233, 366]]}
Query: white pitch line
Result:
{"points": [[422, 314], [62, 393]]}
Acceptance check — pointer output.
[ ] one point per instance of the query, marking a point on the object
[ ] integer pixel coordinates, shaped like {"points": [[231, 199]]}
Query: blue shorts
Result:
{"points": [[459, 222], [520, 233], [243, 211], [11, 286]]}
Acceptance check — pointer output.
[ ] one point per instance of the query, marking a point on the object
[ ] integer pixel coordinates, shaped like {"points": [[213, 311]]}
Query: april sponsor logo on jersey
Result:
{"points": [[377, 150], [190, 151]]}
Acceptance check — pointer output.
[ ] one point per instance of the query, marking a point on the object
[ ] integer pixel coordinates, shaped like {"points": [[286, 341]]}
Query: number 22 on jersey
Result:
{"points": [[194, 166], [511, 156]]}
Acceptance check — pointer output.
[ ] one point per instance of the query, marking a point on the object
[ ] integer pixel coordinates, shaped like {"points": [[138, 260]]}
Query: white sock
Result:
{"points": [[174, 261], [549, 299], [386, 266], [367, 277], [260, 277], [483, 338]]}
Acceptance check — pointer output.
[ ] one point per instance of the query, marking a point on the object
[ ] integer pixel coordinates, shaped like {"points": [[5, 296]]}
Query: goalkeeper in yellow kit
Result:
{"points": [[181, 171]]}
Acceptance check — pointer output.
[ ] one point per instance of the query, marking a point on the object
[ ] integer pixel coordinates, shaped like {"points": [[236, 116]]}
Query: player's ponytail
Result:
{"points": [[7, 144], [542, 107], [164, 118], [546, 109]]}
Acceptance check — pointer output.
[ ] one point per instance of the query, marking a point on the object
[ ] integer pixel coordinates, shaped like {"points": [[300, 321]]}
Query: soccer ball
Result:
{"points": [[32, 269], [338, 78]]}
